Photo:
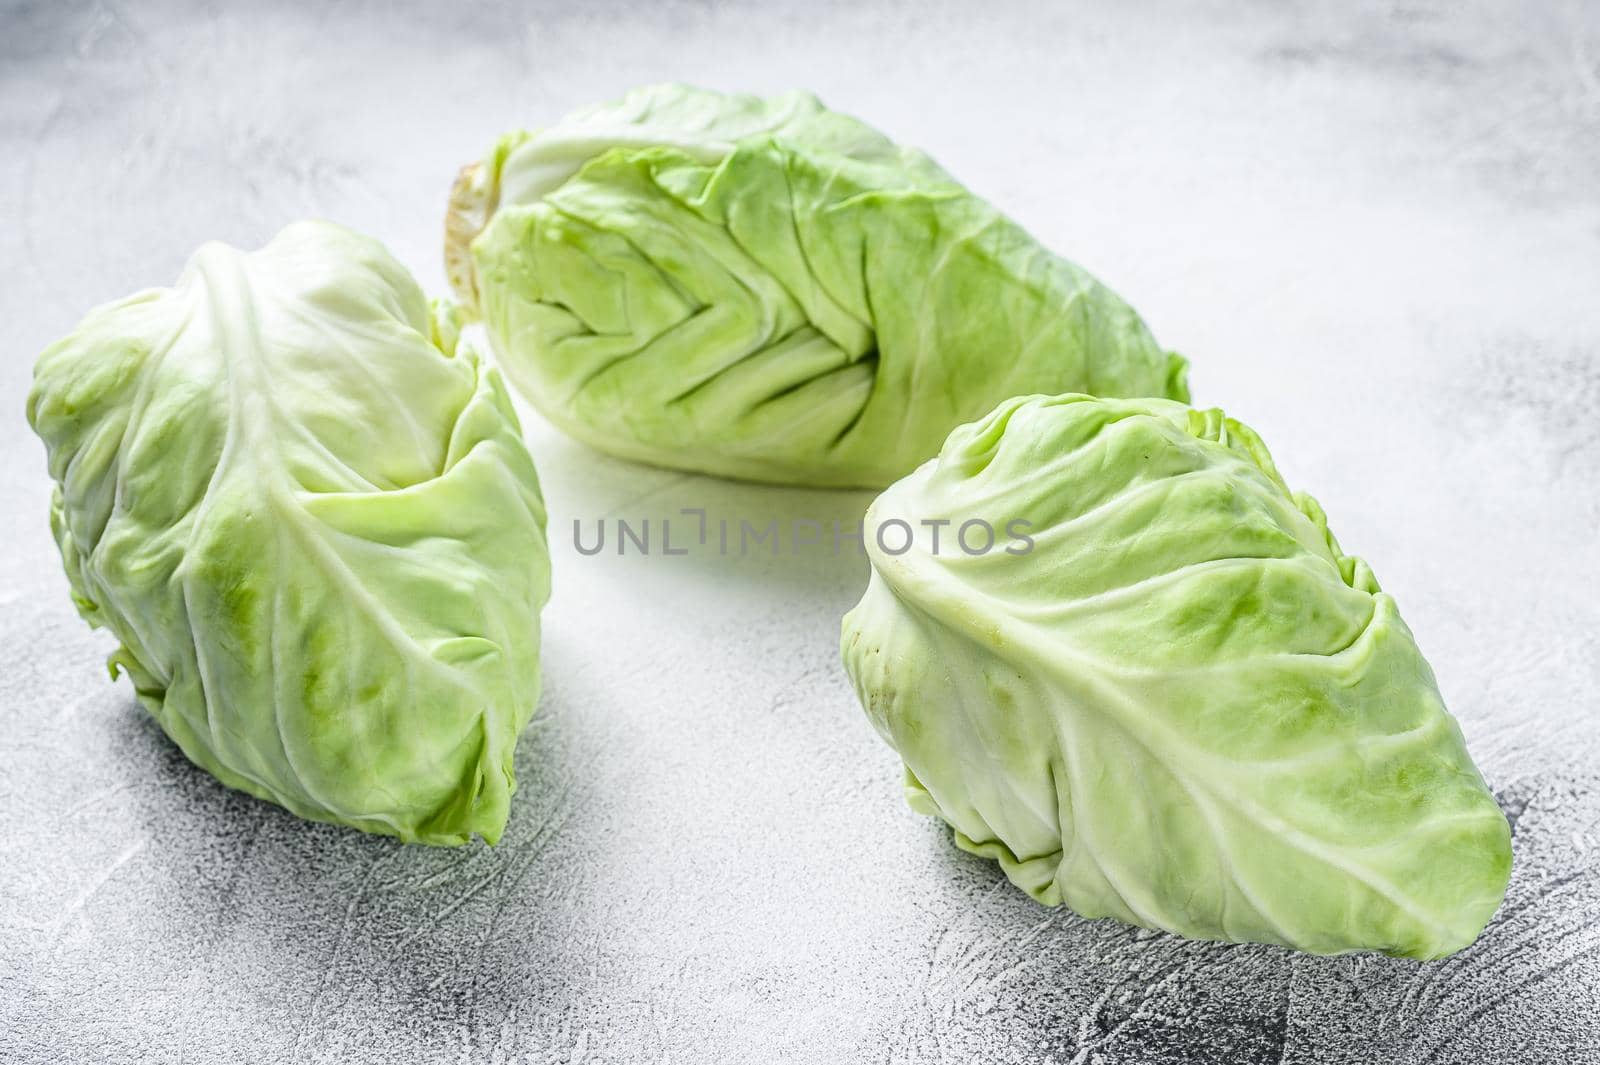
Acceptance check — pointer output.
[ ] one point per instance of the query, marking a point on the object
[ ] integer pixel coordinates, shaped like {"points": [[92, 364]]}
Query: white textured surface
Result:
{"points": [[1375, 228]]}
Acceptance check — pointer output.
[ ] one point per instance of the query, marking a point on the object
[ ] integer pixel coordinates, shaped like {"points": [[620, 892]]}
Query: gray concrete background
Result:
{"points": [[1375, 230]]}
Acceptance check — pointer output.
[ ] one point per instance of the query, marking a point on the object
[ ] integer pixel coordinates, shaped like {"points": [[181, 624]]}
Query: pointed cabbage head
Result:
{"points": [[1172, 699], [312, 525], [766, 289]]}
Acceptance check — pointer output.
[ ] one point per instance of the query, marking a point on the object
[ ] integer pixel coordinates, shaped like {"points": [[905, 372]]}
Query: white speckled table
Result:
{"points": [[1374, 228]]}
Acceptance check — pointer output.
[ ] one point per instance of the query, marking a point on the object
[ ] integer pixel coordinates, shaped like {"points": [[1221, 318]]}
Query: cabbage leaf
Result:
{"points": [[1185, 707], [313, 527], [766, 289]]}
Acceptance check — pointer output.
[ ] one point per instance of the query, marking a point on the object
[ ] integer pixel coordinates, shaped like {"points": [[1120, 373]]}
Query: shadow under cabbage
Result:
{"points": [[344, 931], [1046, 984]]}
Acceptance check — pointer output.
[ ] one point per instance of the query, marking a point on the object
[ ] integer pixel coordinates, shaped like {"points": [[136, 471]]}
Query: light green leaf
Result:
{"points": [[1185, 707], [315, 531], [770, 290]]}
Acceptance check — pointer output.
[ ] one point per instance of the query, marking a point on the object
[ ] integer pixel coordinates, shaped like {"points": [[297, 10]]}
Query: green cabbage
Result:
{"points": [[768, 290], [314, 528], [1184, 707]]}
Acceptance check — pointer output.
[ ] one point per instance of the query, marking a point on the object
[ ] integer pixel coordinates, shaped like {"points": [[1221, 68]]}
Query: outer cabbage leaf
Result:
{"points": [[1185, 708], [769, 290], [313, 526]]}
